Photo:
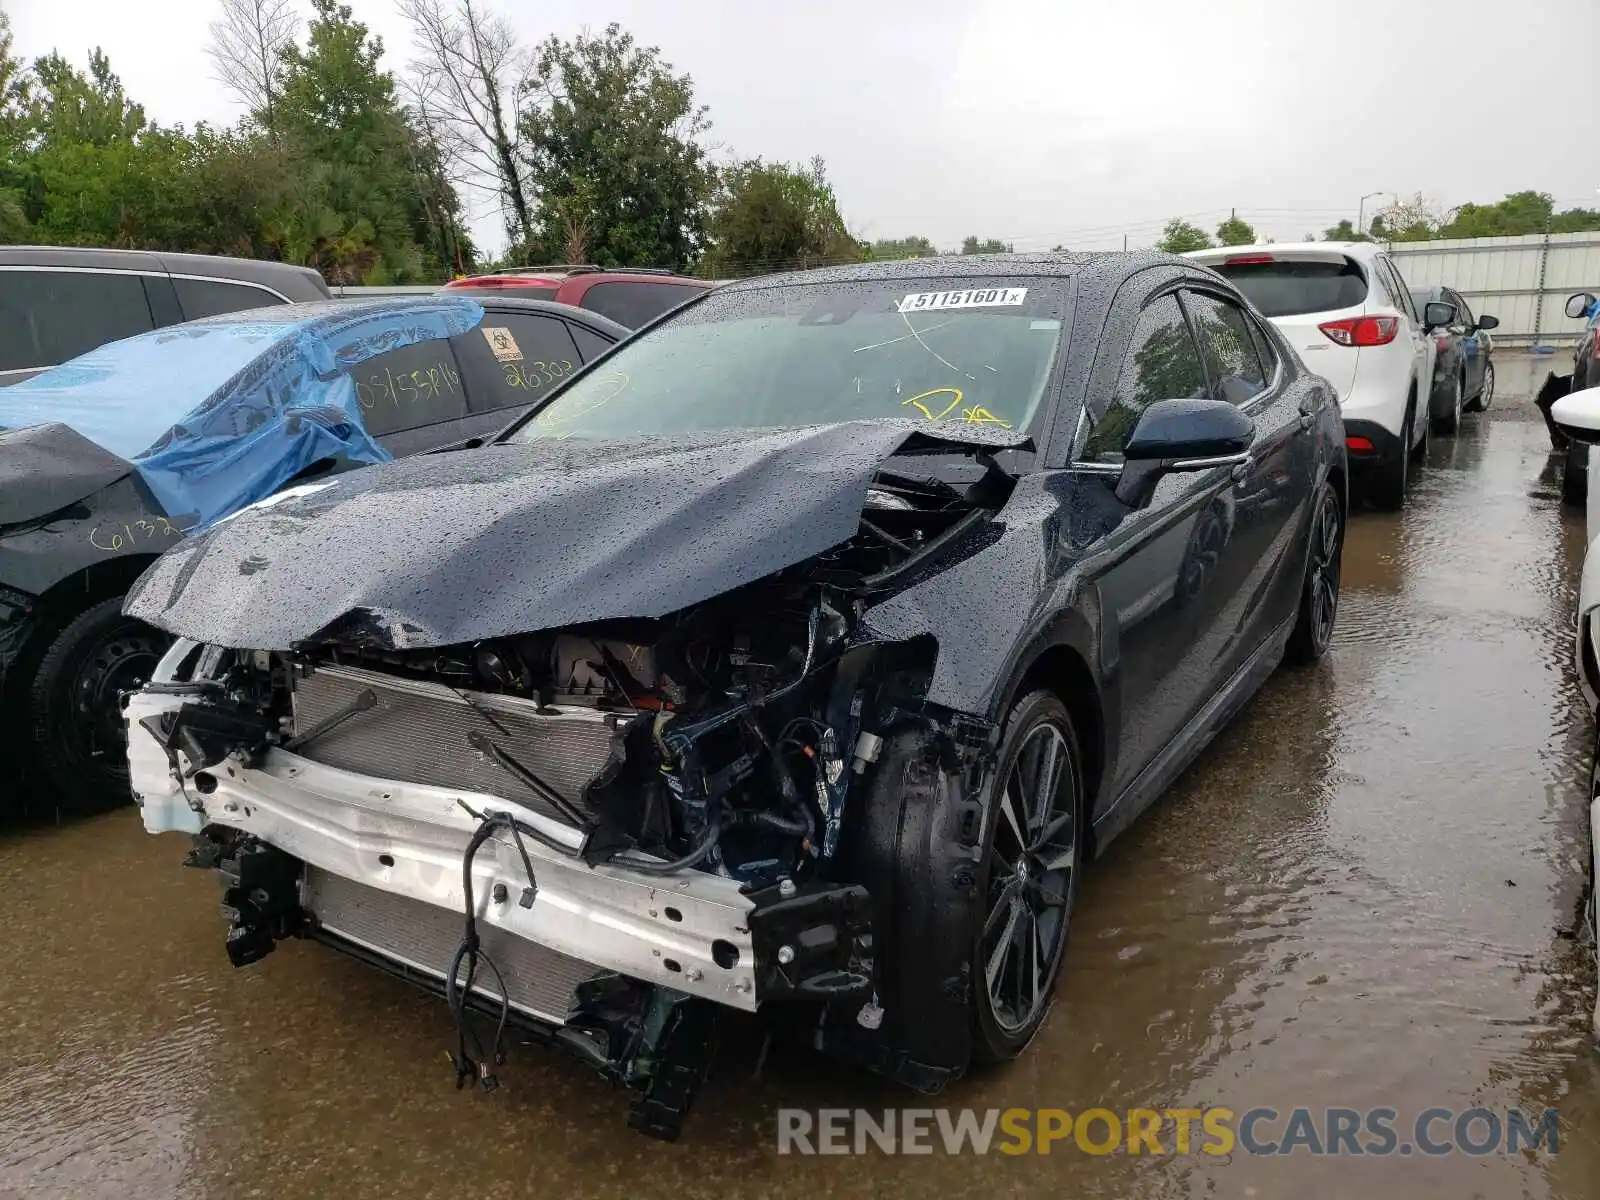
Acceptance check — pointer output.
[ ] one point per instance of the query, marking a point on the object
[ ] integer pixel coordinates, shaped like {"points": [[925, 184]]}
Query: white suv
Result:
{"points": [[1345, 308]]}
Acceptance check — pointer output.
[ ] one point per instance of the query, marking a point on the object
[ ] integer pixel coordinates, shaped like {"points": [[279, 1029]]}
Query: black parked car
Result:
{"points": [[109, 459], [1463, 368], [1585, 307], [792, 659], [57, 302]]}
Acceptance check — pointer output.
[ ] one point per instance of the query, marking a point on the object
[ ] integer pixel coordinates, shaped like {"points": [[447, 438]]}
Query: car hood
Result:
{"points": [[44, 468], [515, 538]]}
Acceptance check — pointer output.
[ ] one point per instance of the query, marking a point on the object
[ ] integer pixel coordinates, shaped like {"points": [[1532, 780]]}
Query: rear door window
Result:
{"points": [[590, 344], [410, 387], [1227, 348], [212, 297], [1287, 288], [635, 304], [1162, 363], [47, 317], [1265, 350], [513, 359], [1402, 296]]}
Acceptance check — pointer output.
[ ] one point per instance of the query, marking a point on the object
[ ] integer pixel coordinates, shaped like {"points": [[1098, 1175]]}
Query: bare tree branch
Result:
{"points": [[471, 66], [246, 44]]}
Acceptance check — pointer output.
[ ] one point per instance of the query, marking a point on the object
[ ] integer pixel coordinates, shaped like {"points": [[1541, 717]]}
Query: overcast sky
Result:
{"points": [[1050, 121]]}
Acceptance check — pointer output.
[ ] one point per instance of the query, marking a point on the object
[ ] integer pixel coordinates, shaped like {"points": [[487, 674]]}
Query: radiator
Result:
{"points": [[418, 734], [539, 981]]}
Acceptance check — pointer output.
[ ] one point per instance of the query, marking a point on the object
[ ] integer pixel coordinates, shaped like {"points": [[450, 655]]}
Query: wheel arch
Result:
{"points": [[1063, 670], [89, 585]]}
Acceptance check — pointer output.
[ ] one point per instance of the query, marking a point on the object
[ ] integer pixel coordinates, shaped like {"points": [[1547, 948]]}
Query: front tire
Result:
{"points": [[1319, 594], [1033, 853], [77, 742]]}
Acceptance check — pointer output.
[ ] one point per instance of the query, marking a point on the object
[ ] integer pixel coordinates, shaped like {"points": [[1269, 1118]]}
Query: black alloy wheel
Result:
{"points": [[80, 746], [1034, 857], [1319, 597]]}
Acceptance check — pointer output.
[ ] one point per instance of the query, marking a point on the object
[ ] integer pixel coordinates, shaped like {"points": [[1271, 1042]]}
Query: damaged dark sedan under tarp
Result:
{"points": [[792, 659], [109, 459]]}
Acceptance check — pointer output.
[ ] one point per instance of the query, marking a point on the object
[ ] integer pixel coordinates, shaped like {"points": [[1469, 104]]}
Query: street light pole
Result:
{"points": [[1361, 211]]}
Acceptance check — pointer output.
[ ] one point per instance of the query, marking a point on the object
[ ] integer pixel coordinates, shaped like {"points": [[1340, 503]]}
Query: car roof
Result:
{"points": [[1364, 251], [1057, 264], [302, 283]]}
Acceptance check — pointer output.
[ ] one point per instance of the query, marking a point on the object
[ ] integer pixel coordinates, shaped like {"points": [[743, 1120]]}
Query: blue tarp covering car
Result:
{"points": [[109, 459], [220, 413]]}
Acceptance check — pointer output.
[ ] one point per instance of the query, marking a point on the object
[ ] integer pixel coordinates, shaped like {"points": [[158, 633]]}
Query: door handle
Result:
{"points": [[1241, 470]]}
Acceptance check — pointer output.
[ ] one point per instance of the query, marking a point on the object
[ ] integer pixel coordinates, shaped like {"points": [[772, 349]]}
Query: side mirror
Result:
{"points": [[1578, 306], [1179, 436], [1436, 314], [1577, 415], [1488, 322]]}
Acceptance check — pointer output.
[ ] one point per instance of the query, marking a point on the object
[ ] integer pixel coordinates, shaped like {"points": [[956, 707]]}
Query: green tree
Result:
{"points": [[1519, 213], [771, 216], [1344, 231], [908, 247], [355, 206], [607, 122], [71, 107], [1179, 236], [1234, 232], [1404, 219], [972, 245]]}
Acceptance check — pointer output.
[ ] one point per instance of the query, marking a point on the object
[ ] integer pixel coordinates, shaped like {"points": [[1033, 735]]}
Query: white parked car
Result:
{"points": [[1578, 416], [1348, 312]]}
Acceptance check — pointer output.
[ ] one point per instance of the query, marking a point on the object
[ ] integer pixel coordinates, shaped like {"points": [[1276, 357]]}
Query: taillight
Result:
{"points": [[1362, 331], [1359, 444], [1245, 260]]}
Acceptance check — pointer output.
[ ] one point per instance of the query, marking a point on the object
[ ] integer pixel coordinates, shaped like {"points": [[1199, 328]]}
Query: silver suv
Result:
{"points": [[57, 302]]}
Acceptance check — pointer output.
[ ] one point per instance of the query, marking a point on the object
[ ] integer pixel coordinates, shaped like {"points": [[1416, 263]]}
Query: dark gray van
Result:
{"points": [[57, 302]]}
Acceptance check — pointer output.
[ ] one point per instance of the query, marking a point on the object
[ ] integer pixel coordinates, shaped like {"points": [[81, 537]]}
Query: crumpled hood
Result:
{"points": [[47, 467], [450, 548]]}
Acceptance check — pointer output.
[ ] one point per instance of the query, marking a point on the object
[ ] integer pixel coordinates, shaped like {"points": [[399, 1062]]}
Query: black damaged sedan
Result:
{"points": [[792, 658]]}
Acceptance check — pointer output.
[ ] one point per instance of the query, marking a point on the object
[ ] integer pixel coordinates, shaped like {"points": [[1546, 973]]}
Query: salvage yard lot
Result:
{"points": [[1357, 897]]}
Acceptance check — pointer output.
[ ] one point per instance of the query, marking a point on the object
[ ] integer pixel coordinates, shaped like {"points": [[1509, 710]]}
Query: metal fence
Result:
{"points": [[1524, 281]]}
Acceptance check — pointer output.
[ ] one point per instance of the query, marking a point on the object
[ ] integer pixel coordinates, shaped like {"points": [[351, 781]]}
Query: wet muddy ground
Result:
{"points": [[1363, 895]]}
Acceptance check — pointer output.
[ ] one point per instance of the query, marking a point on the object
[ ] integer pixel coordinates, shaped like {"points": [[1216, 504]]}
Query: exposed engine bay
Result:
{"points": [[672, 808]]}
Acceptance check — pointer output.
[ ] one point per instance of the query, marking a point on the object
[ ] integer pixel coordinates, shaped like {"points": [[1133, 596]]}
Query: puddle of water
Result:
{"points": [[1355, 899]]}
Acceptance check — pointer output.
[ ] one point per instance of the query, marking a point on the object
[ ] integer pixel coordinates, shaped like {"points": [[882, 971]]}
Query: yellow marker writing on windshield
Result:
{"points": [[979, 415], [923, 408]]}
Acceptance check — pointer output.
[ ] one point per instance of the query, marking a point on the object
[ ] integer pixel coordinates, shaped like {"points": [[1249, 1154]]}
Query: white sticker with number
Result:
{"points": [[970, 298]]}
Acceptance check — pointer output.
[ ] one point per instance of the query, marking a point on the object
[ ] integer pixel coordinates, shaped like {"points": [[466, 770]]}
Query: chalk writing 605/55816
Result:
{"points": [[406, 387], [115, 538]]}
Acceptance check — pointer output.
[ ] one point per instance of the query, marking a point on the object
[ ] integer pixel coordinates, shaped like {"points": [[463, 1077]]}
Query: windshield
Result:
{"points": [[978, 354]]}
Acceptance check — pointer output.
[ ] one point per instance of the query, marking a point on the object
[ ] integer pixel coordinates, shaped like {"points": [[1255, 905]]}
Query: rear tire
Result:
{"points": [[1447, 424], [1319, 594], [1575, 474], [76, 739], [1387, 487], [1485, 396]]}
